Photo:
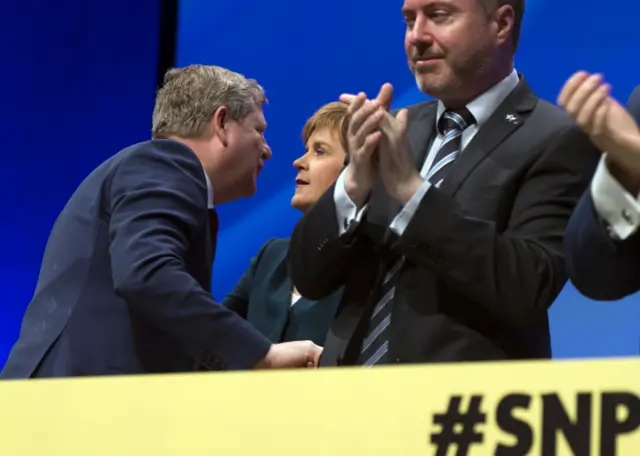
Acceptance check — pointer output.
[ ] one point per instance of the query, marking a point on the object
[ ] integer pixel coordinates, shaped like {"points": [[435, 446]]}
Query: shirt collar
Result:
{"points": [[209, 192], [485, 104]]}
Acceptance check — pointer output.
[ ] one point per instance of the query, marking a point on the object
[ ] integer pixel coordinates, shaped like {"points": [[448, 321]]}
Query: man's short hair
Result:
{"points": [[190, 96], [518, 9], [332, 116]]}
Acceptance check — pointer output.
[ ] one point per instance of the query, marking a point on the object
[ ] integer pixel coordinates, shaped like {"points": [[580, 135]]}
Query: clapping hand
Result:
{"points": [[611, 128], [363, 137], [378, 145]]}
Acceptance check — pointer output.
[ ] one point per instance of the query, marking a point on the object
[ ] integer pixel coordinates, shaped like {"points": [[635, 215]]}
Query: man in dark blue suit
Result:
{"points": [[602, 241], [125, 281]]}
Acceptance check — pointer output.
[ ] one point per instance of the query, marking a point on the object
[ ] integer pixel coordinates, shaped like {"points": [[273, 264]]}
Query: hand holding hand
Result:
{"points": [[291, 354]]}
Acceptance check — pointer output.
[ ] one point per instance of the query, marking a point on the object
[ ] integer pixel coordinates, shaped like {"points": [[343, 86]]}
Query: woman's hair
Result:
{"points": [[332, 116]]}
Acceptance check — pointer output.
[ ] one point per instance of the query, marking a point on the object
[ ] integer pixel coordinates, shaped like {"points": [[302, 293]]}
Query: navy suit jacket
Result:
{"points": [[599, 267], [263, 297], [125, 281]]}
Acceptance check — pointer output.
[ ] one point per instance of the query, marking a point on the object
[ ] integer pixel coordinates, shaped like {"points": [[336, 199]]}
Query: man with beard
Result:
{"points": [[446, 227]]}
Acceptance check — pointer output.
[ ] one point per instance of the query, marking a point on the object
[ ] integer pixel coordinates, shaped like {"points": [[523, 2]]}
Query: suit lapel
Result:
{"points": [[280, 288], [210, 251], [420, 134], [503, 122]]}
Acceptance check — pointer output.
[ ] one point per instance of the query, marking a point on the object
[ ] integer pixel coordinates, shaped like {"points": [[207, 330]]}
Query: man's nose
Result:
{"points": [[420, 35], [266, 153]]}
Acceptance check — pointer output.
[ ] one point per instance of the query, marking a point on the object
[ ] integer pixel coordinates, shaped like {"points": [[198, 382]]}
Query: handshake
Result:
{"points": [[291, 354]]}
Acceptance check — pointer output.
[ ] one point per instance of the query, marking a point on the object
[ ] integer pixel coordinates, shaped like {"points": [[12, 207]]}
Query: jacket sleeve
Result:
{"points": [[319, 255], [158, 203], [599, 267]]}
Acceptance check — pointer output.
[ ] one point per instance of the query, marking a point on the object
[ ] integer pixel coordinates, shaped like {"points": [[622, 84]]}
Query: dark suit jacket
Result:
{"points": [[484, 257], [599, 267], [263, 298], [125, 281]]}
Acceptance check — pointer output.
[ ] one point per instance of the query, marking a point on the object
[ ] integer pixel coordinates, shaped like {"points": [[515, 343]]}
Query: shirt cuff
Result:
{"points": [[401, 221], [346, 210], [616, 207]]}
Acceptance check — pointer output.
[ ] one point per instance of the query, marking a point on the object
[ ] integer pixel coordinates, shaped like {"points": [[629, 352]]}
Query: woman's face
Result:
{"points": [[318, 168]]}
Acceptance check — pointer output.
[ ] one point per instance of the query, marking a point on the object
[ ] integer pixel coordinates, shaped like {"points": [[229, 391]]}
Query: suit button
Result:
{"points": [[322, 244]]}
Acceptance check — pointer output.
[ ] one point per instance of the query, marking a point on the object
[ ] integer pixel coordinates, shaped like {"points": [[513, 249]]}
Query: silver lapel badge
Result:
{"points": [[511, 118]]}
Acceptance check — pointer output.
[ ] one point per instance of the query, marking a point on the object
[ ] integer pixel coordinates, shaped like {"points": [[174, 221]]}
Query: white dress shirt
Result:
{"points": [[482, 108], [619, 210], [209, 192], [295, 297]]}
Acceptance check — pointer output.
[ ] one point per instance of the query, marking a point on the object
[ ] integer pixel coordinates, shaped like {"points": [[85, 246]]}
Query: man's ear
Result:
{"points": [[504, 19], [219, 124]]}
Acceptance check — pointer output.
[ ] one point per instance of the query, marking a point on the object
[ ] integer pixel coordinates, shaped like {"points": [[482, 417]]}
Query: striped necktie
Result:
{"points": [[450, 125], [375, 346]]}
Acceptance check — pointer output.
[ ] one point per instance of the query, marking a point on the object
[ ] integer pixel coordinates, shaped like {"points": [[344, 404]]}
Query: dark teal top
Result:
{"points": [[263, 297]]}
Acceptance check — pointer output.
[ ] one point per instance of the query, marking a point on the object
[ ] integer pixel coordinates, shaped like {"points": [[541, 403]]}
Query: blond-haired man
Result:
{"points": [[124, 286]]}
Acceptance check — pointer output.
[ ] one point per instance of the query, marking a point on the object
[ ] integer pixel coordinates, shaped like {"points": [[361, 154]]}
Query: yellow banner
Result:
{"points": [[533, 408]]}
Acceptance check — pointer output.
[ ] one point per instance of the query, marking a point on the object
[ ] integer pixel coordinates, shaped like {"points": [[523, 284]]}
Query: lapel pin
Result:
{"points": [[512, 118]]}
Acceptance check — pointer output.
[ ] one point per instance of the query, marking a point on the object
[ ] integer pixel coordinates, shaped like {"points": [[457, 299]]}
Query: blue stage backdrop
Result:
{"points": [[79, 84]]}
